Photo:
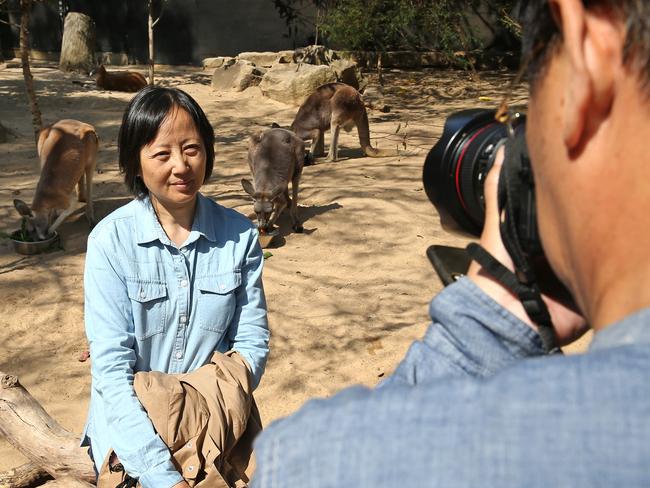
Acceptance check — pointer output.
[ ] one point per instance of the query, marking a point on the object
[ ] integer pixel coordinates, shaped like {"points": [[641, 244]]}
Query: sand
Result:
{"points": [[346, 298]]}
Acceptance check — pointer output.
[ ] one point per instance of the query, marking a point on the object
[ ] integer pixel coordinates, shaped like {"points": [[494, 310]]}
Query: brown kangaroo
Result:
{"points": [[276, 157], [127, 81], [332, 106], [67, 151]]}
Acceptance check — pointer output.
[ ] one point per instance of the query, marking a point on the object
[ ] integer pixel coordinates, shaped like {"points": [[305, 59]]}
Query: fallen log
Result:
{"points": [[31, 430], [67, 482], [24, 476]]}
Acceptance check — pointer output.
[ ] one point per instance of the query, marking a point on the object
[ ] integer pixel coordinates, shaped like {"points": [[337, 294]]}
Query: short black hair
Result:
{"points": [[141, 121], [541, 34]]}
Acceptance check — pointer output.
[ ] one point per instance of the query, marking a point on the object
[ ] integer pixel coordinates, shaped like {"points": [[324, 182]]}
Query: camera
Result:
{"points": [[456, 167]]}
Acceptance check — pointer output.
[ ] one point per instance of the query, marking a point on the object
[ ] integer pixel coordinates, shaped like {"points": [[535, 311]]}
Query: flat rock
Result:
{"points": [[218, 62], [267, 59], [348, 72], [290, 83]]}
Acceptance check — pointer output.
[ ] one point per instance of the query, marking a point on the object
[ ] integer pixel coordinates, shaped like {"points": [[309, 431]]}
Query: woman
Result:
{"points": [[170, 278]]}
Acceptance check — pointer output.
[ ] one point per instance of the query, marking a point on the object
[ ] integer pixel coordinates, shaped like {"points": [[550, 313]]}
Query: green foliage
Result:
{"points": [[381, 25]]}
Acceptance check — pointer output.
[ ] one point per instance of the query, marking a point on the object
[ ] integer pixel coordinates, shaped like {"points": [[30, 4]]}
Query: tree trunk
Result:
{"points": [[78, 44], [23, 476], [25, 11], [31, 430], [150, 30]]}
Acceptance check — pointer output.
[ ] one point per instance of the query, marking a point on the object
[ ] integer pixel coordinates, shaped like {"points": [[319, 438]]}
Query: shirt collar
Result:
{"points": [[148, 228], [633, 329]]}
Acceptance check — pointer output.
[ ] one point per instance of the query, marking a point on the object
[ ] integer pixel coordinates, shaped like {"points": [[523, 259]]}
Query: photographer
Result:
{"points": [[478, 402]]}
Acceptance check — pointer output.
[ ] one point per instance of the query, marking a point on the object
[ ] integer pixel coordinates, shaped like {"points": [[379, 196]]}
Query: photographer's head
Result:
{"points": [[588, 127]]}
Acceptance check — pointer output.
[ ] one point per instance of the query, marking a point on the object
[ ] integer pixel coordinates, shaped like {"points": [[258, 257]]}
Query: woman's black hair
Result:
{"points": [[141, 121]]}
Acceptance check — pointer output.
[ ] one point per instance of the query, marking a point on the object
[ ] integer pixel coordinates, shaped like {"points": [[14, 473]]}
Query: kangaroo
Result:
{"points": [[127, 81], [332, 106], [276, 157], [67, 151]]}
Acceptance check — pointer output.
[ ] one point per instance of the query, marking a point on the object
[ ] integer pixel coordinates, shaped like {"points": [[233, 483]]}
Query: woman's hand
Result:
{"points": [[568, 323]]}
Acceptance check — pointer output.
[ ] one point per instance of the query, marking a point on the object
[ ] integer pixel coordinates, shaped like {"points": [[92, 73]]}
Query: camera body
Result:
{"points": [[456, 167]]}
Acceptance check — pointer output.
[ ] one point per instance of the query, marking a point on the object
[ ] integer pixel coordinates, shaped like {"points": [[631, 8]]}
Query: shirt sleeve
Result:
{"points": [[471, 335], [249, 332], [110, 332]]}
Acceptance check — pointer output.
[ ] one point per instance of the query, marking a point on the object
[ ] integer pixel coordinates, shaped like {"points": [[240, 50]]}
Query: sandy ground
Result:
{"points": [[346, 298]]}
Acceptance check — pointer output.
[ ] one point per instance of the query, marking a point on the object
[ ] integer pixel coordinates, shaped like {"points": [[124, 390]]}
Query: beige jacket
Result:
{"points": [[207, 418]]}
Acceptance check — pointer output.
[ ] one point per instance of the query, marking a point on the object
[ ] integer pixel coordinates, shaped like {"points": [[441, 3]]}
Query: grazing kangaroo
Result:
{"points": [[332, 106], [276, 157], [127, 81], [67, 151]]}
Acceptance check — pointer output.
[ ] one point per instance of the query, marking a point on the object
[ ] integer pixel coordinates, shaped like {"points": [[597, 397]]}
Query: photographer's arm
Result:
{"points": [[480, 326]]}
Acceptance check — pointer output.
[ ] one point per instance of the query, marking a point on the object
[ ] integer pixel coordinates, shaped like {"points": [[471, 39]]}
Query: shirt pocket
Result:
{"points": [[217, 300], [149, 303]]}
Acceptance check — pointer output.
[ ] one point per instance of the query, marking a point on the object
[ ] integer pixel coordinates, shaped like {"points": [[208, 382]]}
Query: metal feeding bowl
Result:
{"points": [[267, 237], [35, 247]]}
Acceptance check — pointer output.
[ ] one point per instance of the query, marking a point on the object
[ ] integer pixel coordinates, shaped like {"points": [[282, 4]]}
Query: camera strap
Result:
{"points": [[516, 198], [528, 294]]}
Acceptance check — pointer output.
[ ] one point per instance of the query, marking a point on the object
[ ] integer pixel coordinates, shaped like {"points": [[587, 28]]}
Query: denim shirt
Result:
{"points": [[153, 306], [475, 403]]}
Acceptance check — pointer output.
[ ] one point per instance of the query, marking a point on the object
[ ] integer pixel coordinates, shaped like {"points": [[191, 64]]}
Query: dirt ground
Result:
{"points": [[346, 298]]}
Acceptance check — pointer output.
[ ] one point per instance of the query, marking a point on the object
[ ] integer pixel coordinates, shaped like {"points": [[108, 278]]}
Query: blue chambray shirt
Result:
{"points": [[475, 403], [150, 306]]}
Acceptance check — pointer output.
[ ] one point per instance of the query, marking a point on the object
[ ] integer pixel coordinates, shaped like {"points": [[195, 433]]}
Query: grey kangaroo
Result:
{"points": [[331, 107], [276, 157], [67, 151]]}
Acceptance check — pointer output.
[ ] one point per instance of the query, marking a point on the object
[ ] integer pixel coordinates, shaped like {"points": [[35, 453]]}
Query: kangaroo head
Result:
{"points": [[98, 71], [264, 202], [37, 224]]}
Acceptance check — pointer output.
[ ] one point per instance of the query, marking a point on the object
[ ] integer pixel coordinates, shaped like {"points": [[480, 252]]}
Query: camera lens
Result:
{"points": [[455, 168]]}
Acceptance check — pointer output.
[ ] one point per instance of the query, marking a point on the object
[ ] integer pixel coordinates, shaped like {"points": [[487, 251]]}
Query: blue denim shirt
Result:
{"points": [[152, 306], [476, 404]]}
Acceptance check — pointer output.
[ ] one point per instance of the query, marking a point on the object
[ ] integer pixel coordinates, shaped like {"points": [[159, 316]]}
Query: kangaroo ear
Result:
{"points": [[256, 138], [275, 125], [248, 187], [23, 208]]}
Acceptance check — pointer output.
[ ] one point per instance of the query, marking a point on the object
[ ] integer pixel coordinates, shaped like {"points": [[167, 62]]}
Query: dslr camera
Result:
{"points": [[454, 174]]}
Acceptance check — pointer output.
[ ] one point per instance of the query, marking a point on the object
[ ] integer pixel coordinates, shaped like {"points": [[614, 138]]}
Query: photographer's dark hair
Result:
{"points": [[141, 121], [541, 34]]}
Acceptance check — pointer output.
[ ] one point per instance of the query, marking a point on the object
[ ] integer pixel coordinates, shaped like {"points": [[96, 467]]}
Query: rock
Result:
{"points": [[314, 54], [218, 62], [265, 60], [78, 44], [286, 56], [291, 84], [236, 76], [348, 72], [113, 59]]}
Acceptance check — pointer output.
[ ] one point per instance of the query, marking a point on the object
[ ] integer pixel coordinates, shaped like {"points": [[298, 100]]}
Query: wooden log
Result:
{"points": [[31, 430], [67, 482], [23, 476]]}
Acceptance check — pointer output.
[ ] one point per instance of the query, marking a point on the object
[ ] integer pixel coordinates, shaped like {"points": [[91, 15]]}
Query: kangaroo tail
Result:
{"points": [[363, 128]]}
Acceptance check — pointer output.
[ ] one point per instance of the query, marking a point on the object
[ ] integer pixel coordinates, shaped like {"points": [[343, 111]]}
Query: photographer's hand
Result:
{"points": [[568, 323]]}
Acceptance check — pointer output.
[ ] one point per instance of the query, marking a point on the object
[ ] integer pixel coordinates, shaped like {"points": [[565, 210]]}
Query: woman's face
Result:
{"points": [[172, 166]]}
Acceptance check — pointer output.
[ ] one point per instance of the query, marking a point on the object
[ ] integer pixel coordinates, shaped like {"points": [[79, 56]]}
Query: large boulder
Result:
{"points": [[314, 54], [78, 44], [266, 59], [290, 83], [236, 76]]}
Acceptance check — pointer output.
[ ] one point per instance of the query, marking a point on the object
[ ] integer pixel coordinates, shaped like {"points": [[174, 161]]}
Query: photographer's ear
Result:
{"points": [[592, 51]]}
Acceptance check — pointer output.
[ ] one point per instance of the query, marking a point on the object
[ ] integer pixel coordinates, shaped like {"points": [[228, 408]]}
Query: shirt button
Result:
{"points": [[179, 355], [183, 283], [222, 286], [183, 319], [143, 294]]}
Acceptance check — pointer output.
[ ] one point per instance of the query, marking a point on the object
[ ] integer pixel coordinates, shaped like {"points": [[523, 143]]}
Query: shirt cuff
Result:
{"points": [[164, 475]]}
